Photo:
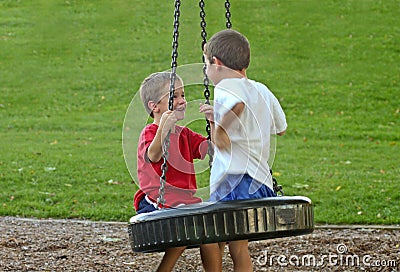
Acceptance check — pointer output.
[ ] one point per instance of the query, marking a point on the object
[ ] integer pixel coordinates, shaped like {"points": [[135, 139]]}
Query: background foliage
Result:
{"points": [[69, 69]]}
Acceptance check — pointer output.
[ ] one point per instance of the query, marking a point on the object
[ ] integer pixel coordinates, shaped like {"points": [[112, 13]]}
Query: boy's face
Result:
{"points": [[179, 105]]}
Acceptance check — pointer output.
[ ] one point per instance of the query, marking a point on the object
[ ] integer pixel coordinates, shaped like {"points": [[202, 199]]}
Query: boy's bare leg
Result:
{"points": [[211, 257], [171, 255], [222, 248], [239, 251]]}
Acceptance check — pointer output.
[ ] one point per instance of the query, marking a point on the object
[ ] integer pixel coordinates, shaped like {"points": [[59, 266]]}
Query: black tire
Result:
{"points": [[203, 223]]}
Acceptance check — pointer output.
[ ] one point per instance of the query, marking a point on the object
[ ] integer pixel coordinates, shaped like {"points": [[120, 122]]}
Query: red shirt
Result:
{"points": [[185, 146]]}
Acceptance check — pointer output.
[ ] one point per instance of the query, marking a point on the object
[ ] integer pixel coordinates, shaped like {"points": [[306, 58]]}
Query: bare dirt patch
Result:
{"points": [[68, 245]]}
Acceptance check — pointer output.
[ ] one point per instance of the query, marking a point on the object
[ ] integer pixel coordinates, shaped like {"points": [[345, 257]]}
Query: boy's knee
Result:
{"points": [[237, 248], [209, 250], [175, 250], [180, 249]]}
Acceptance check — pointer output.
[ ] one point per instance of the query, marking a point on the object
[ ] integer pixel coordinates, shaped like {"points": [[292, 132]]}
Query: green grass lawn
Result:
{"points": [[69, 69]]}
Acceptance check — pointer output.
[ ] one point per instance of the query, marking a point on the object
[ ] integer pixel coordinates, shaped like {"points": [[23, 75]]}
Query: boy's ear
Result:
{"points": [[217, 61], [152, 105]]}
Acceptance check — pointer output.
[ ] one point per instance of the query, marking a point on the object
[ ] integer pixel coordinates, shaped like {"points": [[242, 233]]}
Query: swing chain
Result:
{"points": [[174, 55], [164, 169], [277, 188], [206, 81], [203, 24], [174, 63], [228, 14]]}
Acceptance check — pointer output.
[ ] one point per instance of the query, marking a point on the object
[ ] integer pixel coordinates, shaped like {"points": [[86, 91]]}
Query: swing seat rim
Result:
{"points": [[196, 224], [207, 207]]}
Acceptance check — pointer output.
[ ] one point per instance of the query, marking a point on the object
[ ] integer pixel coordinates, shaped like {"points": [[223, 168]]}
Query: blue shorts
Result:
{"points": [[145, 206], [242, 186]]}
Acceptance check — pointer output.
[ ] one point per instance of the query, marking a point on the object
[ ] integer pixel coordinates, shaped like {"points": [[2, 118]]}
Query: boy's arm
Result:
{"points": [[155, 149], [279, 123], [222, 140], [281, 133], [208, 111]]}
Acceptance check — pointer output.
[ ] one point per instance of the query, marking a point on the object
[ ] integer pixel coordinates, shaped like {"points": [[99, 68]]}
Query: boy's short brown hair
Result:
{"points": [[154, 87], [230, 47]]}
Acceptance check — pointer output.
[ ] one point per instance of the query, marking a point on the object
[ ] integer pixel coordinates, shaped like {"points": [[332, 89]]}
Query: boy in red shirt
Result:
{"points": [[185, 146]]}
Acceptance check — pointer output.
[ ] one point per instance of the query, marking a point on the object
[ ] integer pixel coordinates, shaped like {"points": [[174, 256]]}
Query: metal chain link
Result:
{"points": [[174, 63], [203, 24], [228, 14], [277, 188], [174, 55], [206, 81]]}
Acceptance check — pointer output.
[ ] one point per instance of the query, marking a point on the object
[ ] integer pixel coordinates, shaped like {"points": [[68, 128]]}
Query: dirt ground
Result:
{"points": [[68, 245]]}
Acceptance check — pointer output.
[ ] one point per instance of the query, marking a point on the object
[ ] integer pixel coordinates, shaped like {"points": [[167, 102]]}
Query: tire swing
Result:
{"points": [[203, 223]]}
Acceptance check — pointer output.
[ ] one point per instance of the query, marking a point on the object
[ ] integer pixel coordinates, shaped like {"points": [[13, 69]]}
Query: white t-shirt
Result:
{"points": [[250, 134]]}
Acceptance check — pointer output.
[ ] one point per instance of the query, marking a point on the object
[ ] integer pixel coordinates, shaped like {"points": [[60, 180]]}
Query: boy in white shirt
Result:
{"points": [[246, 113]]}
